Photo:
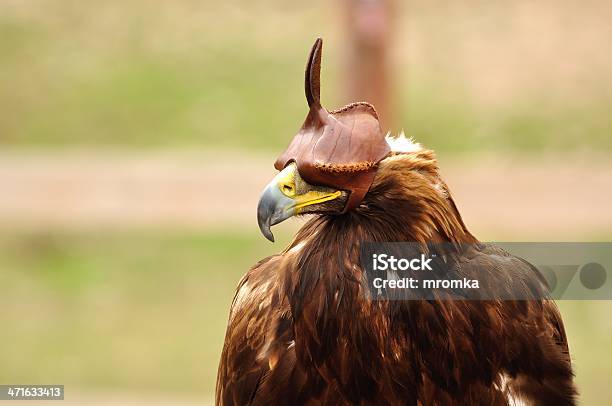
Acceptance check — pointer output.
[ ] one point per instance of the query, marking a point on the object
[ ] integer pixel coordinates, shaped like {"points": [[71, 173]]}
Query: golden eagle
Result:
{"points": [[302, 329]]}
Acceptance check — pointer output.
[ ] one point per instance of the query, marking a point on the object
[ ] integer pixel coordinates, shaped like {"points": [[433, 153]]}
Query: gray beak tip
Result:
{"points": [[264, 217], [273, 208], [265, 230]]}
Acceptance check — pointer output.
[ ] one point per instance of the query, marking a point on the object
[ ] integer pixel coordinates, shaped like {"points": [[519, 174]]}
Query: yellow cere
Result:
{"points": [[286, 184]]}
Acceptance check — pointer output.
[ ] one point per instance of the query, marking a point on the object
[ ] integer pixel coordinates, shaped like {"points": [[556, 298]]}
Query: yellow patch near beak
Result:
{"points": [[314, 197], [289, 182]]}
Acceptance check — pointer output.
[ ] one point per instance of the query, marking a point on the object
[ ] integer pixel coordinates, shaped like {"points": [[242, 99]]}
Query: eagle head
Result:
{"points": [[331, 163]]}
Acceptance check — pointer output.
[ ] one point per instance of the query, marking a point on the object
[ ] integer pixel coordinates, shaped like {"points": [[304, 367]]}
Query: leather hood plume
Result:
{"points": [[339, 149]]}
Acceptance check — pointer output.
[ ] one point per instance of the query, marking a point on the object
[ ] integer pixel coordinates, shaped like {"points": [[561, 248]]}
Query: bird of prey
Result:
{"points": [[304, 327]]}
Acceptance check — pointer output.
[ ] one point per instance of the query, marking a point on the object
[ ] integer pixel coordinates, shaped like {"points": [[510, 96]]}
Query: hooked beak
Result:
{"points": [[287, 195], [273, 208]]}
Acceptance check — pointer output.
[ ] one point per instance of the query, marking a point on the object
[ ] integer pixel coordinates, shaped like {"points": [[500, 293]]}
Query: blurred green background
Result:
{"points": [[130, 310]]}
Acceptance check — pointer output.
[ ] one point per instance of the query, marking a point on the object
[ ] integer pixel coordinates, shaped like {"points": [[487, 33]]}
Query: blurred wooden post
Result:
{"points": [[369, 27]]}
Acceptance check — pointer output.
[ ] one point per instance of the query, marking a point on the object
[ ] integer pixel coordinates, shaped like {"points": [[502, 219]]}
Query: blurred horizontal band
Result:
{"points": [[212, 189]]}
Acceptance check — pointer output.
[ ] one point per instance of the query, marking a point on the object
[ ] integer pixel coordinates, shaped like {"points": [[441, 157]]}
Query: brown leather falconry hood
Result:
{"points": [[339, 149]]}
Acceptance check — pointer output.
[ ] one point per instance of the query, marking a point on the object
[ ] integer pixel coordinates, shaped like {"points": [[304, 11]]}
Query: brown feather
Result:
{"points": [[301, 330]]}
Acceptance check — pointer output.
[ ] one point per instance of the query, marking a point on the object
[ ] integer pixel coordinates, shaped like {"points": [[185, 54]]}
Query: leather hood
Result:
{"points": [[339, 149]]}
